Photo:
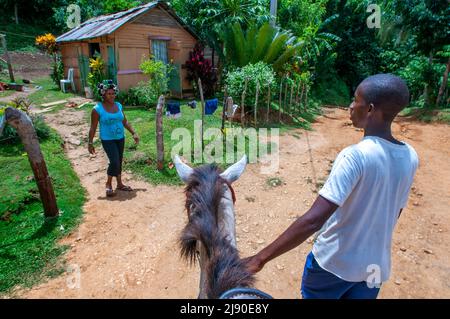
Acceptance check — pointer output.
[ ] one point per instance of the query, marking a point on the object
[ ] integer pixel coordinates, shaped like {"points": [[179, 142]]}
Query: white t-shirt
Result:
{"points": [[370, 182]]}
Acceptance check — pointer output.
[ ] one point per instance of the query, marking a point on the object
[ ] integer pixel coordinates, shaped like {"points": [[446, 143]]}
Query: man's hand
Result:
{"points": [[253, 264]]}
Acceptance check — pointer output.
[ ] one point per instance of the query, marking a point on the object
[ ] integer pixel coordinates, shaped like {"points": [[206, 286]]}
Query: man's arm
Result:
{"points": [[296, 234]]}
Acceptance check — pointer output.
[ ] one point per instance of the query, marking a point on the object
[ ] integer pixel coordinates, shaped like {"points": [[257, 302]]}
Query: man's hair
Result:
{"points": [[386, 92]]}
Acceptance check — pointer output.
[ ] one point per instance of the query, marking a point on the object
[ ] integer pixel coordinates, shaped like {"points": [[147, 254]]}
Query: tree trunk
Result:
{"points": [[427, 89], [16, 14], [24, 127], [273, 12], [159, 134], [444, 84]]}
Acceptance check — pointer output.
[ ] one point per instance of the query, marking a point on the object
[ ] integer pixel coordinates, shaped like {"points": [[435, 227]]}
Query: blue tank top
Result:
{"points": [[111, 124]]}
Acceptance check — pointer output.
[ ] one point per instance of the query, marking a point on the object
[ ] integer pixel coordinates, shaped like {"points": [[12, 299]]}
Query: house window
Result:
{"points": [[159, 50], [93, 49]]}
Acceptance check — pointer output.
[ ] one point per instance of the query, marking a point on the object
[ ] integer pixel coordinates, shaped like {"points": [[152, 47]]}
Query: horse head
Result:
{"points": [[210, 233]]}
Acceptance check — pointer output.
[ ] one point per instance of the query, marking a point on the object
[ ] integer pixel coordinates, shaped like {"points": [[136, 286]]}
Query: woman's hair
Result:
{"points": [[105, 86]]}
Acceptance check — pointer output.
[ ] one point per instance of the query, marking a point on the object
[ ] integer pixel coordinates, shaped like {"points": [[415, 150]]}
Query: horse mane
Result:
{"points": [[224, 269]]}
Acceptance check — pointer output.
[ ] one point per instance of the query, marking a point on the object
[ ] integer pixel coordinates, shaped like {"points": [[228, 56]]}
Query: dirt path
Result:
{"points": [[126, 247]]}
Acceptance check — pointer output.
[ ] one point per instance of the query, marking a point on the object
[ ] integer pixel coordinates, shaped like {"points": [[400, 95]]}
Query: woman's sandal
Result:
{"points": [[125, 188], [109, 192]]}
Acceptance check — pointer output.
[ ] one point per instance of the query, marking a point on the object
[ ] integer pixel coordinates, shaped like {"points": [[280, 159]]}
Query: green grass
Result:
{"points": [[28, 242], [141, 160], [6, 93], [428, 115], [49, 92]]}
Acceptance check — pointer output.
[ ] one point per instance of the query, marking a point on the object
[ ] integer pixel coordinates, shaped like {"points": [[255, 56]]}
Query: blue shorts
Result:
{"points": [[317, 283]]}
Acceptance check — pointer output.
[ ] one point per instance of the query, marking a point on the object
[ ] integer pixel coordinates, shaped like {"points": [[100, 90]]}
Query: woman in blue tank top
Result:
{"points": [[112, 124]]}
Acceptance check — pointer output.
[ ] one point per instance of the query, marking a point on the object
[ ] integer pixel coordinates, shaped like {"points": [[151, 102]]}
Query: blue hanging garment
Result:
{"points": [[173, 107], [211, 106]]}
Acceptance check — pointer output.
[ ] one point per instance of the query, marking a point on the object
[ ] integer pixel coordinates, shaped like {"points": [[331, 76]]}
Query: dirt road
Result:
{"points": [[127, 247]]}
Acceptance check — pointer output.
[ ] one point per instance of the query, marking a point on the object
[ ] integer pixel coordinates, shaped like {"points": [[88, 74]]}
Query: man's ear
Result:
{"points": [[371, 106]]}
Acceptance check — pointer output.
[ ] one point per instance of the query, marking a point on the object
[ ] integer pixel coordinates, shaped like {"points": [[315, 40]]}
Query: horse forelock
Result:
{"points": [[204, 192]]}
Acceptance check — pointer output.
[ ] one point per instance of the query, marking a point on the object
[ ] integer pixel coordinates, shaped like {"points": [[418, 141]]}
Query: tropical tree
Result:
{"points": [[427, 22], [304, 19], [209, 17], [267, 43], [89, 9]]}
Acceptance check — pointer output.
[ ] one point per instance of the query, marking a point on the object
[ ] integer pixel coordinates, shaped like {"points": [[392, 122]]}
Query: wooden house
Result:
{"points": [[123, 39]]}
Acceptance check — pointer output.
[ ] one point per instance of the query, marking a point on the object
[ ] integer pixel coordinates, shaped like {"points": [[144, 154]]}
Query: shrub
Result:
{"points": [[259, 72], [417, 73], [330, 89], [97, 74], [47, 42], [57, 70], [200, 68], [158, 83], [140, 95]]}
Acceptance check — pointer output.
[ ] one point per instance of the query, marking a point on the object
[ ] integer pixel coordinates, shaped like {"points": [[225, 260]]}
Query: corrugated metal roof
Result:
{"points": [[104, 25]]}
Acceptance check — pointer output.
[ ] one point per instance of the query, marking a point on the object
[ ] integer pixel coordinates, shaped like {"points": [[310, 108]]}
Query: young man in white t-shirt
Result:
{"points": [[358, 207]]}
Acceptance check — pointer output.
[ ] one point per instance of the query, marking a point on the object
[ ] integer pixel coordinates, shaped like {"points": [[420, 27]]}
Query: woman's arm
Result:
{"points": [[92, 130], [128, 126]]}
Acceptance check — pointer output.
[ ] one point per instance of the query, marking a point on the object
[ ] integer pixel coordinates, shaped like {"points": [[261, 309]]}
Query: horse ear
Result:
{"points": [[233, 172], [183, 170]]}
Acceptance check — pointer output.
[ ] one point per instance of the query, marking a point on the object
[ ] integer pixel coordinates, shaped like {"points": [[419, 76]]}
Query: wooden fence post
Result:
{"points": [[160, 133], [290, 100], [224, 107], [229, 107], [306, 97], [268, 103], [285, 96], [301, 95], [8, 60], [297, 106], [255, 111], [279, 100], [203, 108], [25, 129], [243, 102]]}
